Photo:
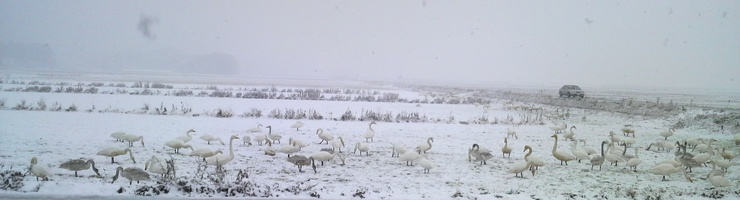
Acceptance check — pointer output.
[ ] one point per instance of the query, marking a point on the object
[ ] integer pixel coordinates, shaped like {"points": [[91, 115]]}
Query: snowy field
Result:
{"points": [[55, 137]]}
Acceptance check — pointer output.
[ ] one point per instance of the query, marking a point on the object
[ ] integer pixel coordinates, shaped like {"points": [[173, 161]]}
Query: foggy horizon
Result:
{"points": [[671, 44]]}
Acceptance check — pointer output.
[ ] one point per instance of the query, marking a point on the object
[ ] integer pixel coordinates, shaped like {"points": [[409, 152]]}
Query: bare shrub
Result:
{"points": [[224, 113], [41, 104], [71, 108], [21, 106]]}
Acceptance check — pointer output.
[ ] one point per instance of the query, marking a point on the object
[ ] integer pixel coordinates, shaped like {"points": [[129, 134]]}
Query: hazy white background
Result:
{"points": [[615, 43]]}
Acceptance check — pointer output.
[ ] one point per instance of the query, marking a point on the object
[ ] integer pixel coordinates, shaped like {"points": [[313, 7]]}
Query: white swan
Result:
{"points": [[260, 139], [511, 133], [370, 133], [665, 169], [255, 129], [297, 142], [289, 149], [322, 156], [210, 138], [297, 125], [204, 153], [569, 134], [628, 142], [158, 165], [535, 161], [614, 138], [118, 135], [562, 156], [426, 164], [247, 141], [559, 128], [409, 157], [579, 153], [626, 131], [301, 161], [633, 162], [269, 150], [187, 137], [177, 145], [337, 144], [506, 149], [38, 170], [666, 134], [324, 136], [133, 138], [701, 148], [702, 158], [726, 154], [221, 159], [519, 167], [598, 159], [614, 158], [426, 146], [363, 148], [479, 155], [273, 137], [132, 174], [112, 152], [78, 165], [397, 150], [585, 147]]}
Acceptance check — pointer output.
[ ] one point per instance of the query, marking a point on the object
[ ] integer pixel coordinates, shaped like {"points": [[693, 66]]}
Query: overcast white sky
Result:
{"points": [[651, 43]]}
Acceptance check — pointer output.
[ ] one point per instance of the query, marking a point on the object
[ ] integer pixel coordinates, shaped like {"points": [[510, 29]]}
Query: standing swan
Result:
{"points": [[204, 153], [370, 133], [187, 137], [297, 125], [480, 155], [79, 164], [633, 162], [409, 157], [578, 152], [38, 170], [112, 152], [337, 144], [535, 161], [255, 129], [133, 138], [220, 160], [177, 145], [426, 146], [363, 148], [667, 169], [598, 159], [324, 136], [132, 174], [301, 161], [426, 164], [210, 138], [273, 137], [519, 167], [561, 155], [118, 135], [666, 134], [397, 150], [569, 134], [506, 149]]}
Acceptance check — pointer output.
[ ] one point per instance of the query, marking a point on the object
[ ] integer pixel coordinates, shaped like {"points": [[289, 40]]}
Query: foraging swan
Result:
{"points": [[614, 158], [370, 133], [426, 146], [324, 136], [255, 129], [562, 156], [585, 147], [569, 134], [633, 162], [118, 135], [397, 150], [479, 155], [559, 128], [289, 149], [158, 165], [666, 169], [133, 138], [613, 137], [409, 157], [297, 142], [363, 148], [273, 137], [38, 170], [337, 144], [297, 125], [666, 134], [132, 174], [702, 158], [535, 161], [79, 164], [687, 160], [506, 149], [726, 154], [598, 159], [701, 148], [221, 159], [260, 139], [519, 167], [204, 153], [177, 145], [626, 131], [269, 150], [426, 164], [578, 152], [210, 138], [511, 133], [187, 137], [247, 141], [322, 156], [112, 152], [301, 161]]}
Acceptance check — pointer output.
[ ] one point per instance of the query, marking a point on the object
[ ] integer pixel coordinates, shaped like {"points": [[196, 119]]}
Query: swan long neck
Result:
{"points": [[313, 164], [231, 143], [528, 153], [371, 126], [131, 155], [118, 171], [602, 149], [555, 147]]}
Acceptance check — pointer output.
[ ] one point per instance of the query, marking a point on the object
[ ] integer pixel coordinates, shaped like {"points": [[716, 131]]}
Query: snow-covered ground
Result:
{"points": [[57, 136]]}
